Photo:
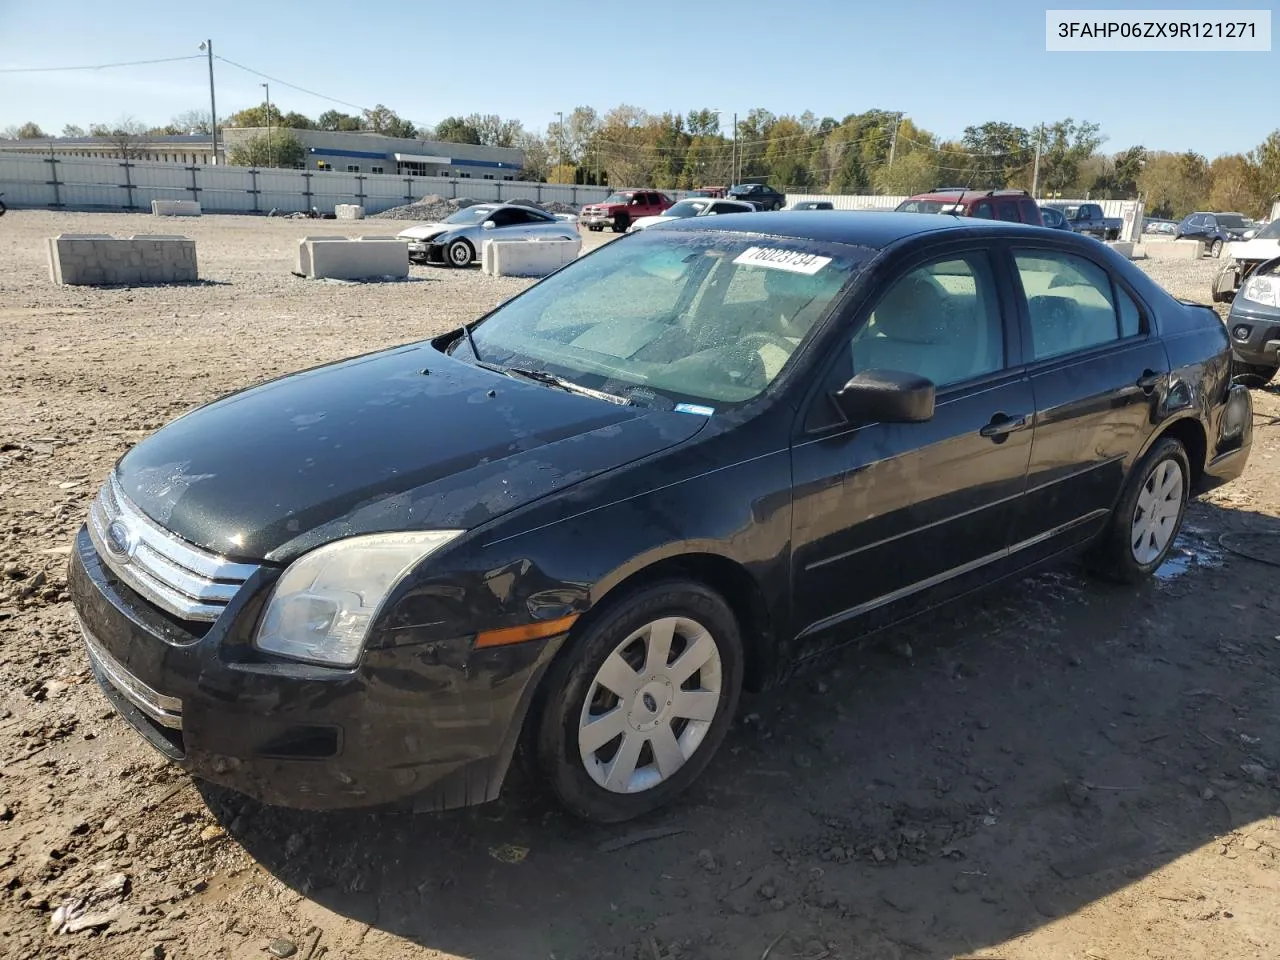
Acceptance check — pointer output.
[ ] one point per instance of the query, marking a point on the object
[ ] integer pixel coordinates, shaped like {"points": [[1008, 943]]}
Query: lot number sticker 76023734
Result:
{"points": [[793, 261]]}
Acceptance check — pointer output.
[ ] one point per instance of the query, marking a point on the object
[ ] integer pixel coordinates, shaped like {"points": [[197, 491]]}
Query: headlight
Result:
{"points": [[323, 605], [1263, 290]]}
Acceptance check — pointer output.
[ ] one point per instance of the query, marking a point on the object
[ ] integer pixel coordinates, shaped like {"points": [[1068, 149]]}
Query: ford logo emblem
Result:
{"points": [[120, 540]]}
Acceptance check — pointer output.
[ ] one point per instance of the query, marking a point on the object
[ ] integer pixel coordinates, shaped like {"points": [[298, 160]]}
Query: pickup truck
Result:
{"points": [[1088, 218], [622, 208]]}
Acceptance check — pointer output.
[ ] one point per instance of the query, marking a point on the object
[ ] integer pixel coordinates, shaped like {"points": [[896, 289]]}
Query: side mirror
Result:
{"points": [[886, 396], [488, 225]]}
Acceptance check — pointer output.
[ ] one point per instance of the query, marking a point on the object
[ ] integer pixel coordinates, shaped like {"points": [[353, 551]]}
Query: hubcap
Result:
{"points": [[650, 705], [1155, 518], [461, 255]]}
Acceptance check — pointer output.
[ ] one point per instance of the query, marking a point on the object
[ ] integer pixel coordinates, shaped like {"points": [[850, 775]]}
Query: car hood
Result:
{"points": [[425, 231], [378, 443], [642, 222]]}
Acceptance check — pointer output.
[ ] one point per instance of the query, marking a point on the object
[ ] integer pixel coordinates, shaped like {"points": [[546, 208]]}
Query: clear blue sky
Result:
{"points": [[946, 65]]}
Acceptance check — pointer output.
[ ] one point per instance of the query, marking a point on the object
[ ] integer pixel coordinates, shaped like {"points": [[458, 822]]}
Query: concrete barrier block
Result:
{"points": [[1174, 249], [348, 211], [303, 268], [486, 257], [1122, 247], [529, 258], [340, 258], [175, 208], [98, 259]]}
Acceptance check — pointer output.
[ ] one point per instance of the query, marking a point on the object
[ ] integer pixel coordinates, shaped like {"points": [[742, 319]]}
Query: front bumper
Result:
{"points": [[426, 251], [434, 723], [1261, 327], [596, 219]]}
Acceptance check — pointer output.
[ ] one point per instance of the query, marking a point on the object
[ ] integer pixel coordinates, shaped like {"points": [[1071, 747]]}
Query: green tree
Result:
{"points": [[917, 172], [1063, 146], [456, 130], [335, 120], [284, 149], [1232, 185], [788, 153], [27, 131], [384, 120], [297, 121], [1175, 184], [73, 130], [994, 154], [1265, 160], [493, 131], [261, 115]]}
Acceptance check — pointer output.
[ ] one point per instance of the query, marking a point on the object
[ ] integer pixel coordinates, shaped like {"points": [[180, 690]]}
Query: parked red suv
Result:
{"points": [[621, 207], [1015, 205]]}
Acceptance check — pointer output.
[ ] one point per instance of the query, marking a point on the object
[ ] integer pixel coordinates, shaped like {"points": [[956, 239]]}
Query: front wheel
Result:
{"points": [[1260, 374], [1215, 250], [460, 253], [636, 705], [1149, 515], [595, 229], [621, 222]]}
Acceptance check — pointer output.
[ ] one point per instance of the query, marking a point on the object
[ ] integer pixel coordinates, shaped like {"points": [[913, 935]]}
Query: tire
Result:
{"points": [[584, 777], [3, 208], [1115, 556], [1215, 249], [775, 206], [621, 222], [459, 253], [595, 229]]}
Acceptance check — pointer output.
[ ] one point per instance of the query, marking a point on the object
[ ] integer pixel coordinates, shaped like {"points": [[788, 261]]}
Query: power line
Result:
{"points": [[101, 66], [286, 83]]}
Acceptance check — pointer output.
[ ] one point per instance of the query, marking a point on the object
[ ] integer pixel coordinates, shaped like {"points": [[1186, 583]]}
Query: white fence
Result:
{"points": [[92, 184]]}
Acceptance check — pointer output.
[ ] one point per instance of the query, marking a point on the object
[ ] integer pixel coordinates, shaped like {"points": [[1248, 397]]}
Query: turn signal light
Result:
{"points": [[530, 631]]}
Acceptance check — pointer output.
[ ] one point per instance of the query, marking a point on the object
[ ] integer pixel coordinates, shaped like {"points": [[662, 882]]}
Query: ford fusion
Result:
{"points": [[578, 527]]}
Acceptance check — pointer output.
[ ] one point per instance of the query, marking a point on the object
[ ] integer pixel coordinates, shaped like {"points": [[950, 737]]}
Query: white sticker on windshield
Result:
{"points": [[793, 261]]}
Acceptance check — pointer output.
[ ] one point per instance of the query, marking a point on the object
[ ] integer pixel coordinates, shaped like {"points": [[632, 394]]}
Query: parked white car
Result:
{"points": [[693, 207]]}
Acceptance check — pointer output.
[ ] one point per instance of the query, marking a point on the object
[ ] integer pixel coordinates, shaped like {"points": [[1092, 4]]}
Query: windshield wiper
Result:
{"points": [[471, 340], [542, 376]]}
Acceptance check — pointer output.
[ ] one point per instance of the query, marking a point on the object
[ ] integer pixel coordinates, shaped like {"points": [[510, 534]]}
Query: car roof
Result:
{"points": [[863, 228]]}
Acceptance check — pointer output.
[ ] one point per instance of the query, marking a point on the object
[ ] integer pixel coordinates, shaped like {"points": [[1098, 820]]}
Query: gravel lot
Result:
{"points": [[1058, 770]]}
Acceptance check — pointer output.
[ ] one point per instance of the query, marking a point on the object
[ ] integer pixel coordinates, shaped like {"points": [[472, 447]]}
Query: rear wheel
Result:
{"points": [[1146, 521], [637, 705], [1215, 250], [460, 253], [595, 229]]}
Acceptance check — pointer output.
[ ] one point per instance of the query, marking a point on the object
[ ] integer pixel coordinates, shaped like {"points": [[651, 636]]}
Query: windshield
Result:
{"points": [[686, 208], [923, 206], [670, 317], [1232, 221], [1270, 232], [471, 215], [617, 198]]}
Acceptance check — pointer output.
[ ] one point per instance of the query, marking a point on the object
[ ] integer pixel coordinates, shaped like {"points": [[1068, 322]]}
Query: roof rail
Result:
{"points": [[1009, 193], [948, 189]]}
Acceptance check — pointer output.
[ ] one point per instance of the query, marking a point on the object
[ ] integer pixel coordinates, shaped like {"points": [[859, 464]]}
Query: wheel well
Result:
{"points": [[1190, 434], [731, 581]]}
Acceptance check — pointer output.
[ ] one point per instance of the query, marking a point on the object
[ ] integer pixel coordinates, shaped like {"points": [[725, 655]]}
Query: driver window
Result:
{"points": [[941, 321], [1069, 302], [503, 218]]}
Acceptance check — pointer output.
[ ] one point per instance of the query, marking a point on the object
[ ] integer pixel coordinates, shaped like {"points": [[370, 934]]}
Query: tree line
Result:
{"points": [[876, 151]]}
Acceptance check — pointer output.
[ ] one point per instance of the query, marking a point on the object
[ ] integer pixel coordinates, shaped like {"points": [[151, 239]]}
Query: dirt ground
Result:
{"points": [[1062, 769]]}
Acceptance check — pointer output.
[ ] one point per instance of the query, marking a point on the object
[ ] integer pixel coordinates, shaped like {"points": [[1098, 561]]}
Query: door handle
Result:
{"points": [[1149, 380], [1002, 425]]}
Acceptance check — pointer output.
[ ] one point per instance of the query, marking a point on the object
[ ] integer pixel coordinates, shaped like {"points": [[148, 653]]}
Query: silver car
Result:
{"points": [[456, 240]]}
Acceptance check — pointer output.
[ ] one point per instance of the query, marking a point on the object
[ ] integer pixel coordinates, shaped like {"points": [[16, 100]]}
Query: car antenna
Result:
{"points": [[471, 340]]}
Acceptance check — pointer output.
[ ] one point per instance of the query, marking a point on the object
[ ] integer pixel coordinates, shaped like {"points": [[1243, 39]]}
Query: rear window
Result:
{"points": [[921, 206]]}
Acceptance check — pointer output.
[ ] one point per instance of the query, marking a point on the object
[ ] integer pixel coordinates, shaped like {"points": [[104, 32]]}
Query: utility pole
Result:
{"points": [[213, 108], [1035, 170], [270, 158], [893, 141], [560, 141], [733, 157]]}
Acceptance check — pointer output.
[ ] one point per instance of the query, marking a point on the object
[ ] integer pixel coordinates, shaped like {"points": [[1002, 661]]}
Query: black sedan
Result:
{"points": [[580, 526], [1254, 322]]}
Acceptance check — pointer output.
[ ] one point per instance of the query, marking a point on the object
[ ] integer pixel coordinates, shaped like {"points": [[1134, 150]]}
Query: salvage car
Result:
{"points": [[456, 241], [576, 528], [1254, 322], [1243, 257], [692, 207], [622, 208], [1216, 230]]}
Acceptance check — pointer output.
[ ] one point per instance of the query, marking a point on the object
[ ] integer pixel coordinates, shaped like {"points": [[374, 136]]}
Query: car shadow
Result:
{"points": [[990, 768]]}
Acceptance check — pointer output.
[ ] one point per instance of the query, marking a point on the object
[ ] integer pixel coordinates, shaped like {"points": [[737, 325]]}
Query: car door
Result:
{"points": [[1098, 375], [890, 517]]}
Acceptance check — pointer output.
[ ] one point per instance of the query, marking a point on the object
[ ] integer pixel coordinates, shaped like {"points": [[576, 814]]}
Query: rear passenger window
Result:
{"points": [[1071, 305], [984, 211], [941, 321], [1007, 210]]}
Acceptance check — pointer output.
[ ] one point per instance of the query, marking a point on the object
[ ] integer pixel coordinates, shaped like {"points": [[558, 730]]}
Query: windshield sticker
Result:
{"points": [[695, 408], [793, 261]]}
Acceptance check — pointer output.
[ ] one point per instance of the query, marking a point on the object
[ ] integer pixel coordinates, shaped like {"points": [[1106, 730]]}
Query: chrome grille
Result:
{"points": [[171, 573]]}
